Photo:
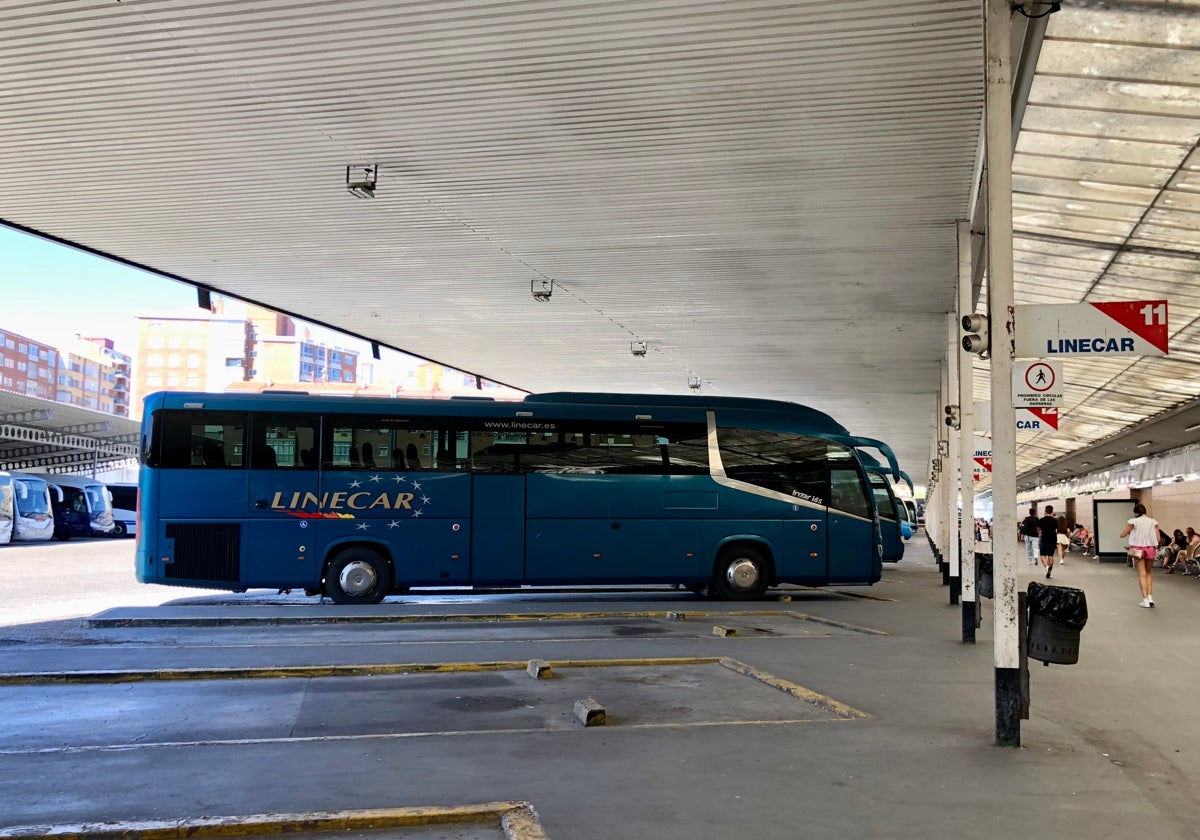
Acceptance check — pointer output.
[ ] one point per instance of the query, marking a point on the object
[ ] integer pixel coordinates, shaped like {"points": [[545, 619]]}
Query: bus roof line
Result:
{"points": [[883, 448]]}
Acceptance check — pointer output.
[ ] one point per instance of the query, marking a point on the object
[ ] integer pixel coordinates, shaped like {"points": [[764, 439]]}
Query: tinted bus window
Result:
{"points": [[389, 444], [123, 497], [284, 442], [847, 491], [670, 449], [791, 464], [198, 439], [883, 498]]}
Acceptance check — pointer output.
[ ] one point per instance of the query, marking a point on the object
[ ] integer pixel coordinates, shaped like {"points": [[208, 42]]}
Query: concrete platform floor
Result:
{"points": [[1112, 749]]}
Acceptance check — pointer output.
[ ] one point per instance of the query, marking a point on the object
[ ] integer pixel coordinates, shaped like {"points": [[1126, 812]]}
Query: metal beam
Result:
{"points": [[24, 434]]}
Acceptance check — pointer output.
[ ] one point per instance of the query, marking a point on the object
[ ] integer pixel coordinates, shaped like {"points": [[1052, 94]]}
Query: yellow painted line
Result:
{"points": [[821, 701], [434, 618], [518, 820], [318, 671]]}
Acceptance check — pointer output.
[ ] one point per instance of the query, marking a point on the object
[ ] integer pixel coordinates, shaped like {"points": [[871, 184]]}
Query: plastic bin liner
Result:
{"points": [[987, 586], [1059, 605], [984, 563]]}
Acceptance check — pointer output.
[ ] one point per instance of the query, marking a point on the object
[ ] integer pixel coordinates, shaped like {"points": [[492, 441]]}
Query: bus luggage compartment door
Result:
{"points": [[497, 530]]}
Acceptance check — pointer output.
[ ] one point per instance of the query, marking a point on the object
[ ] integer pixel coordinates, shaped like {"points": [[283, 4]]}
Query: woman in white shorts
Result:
{"points": [[1063, 539], [1143, 545]]}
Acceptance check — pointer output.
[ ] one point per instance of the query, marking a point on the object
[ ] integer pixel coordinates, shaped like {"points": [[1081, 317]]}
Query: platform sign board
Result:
{"points": [[1037, 384], [1029, 419], [1111, 328], [1037, 419], [983, 461]]}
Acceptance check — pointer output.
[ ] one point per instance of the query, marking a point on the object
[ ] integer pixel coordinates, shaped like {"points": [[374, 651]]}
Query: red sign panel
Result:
{"points": [[1049, 416], [1147, 319]]}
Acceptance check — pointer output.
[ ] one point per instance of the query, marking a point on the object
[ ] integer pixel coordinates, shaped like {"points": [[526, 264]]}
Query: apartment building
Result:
{"points": [[27, 366]]}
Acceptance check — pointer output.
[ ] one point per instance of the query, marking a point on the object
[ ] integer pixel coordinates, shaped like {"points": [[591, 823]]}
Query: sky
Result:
{"points": [[51, 292]]}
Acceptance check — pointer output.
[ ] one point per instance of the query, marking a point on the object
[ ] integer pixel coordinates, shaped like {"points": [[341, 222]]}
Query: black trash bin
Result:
{"points": [[1056, 616], [987, 586]]}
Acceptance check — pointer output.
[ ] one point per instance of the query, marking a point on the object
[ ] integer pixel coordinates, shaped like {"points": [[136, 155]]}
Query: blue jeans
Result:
{"points": [[1031, 545]]}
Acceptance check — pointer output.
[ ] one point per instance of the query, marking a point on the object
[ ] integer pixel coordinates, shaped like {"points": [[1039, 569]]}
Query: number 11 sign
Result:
{"points": [[1112, 328]]}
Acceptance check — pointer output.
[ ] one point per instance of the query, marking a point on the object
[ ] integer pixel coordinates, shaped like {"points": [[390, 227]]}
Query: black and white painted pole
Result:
{"points": [[954, 462], [998, 105], [966, 439]]}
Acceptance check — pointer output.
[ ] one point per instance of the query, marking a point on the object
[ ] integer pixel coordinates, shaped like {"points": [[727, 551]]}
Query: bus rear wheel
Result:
{"points": [[741, 574], [357, 576]]}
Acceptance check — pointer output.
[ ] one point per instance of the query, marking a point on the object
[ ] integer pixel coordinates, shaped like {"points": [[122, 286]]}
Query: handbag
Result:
{"points": [[1135, 553]]}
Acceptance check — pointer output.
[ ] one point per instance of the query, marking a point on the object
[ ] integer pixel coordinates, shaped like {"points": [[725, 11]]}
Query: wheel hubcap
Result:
{"points": [[358, 578], [742, 575]]}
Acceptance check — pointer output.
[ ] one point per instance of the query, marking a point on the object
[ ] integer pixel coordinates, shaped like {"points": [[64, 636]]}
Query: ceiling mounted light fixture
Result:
{"points": [[1144, 444], [638, 348], [361, 179], [694, 383], [1111, 455], [1192, 427], [541, 289]]}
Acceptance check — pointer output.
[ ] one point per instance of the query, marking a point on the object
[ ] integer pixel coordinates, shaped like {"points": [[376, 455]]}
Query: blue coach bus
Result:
{"points": [[357, 498]]}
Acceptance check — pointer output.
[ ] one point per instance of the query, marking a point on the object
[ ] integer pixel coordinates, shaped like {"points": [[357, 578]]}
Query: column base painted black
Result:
{"points": [[969, 621], [955, 589], [1008, 707], [945, 574], [1023, 646]]}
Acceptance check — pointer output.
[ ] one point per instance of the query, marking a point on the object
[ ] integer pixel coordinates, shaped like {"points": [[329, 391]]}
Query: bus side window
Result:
{"points": [[279, 441], [200, 439], [847, 491]]}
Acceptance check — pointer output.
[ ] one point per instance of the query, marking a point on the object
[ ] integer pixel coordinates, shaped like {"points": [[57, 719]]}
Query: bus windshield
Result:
{"points": [[31, 497], [97, 498]]}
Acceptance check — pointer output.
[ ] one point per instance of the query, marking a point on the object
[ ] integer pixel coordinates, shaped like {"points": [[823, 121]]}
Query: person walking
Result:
{"points": [[1143, 533], [1063, 540], [1048, 539], [1029, 530]]}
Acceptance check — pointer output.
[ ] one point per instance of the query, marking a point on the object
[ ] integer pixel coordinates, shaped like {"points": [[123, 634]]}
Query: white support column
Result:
{"points": [[954, 463], [931, 488], [966, 439], [943, 532], [998, 30]]}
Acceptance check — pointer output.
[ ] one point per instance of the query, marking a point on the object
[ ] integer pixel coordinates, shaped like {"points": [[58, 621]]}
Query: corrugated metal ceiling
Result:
{"points": [[764, 192]]}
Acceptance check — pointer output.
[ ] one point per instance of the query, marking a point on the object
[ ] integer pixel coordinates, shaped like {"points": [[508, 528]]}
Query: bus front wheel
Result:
{"points": [[357, 576], [741, 574]]}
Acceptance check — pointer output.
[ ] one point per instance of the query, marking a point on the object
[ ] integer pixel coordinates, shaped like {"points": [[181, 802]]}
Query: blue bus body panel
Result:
{"points": [[498, 529], [854, 548], [893, 540], [613, 528]]}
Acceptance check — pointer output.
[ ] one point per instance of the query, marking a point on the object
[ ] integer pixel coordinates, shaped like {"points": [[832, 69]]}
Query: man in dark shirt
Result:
{"points": [[1029, 530], [1047, 539]]}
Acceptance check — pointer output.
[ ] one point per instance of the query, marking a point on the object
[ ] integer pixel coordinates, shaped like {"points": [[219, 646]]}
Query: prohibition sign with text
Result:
{"points": [[1040, 377]]}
